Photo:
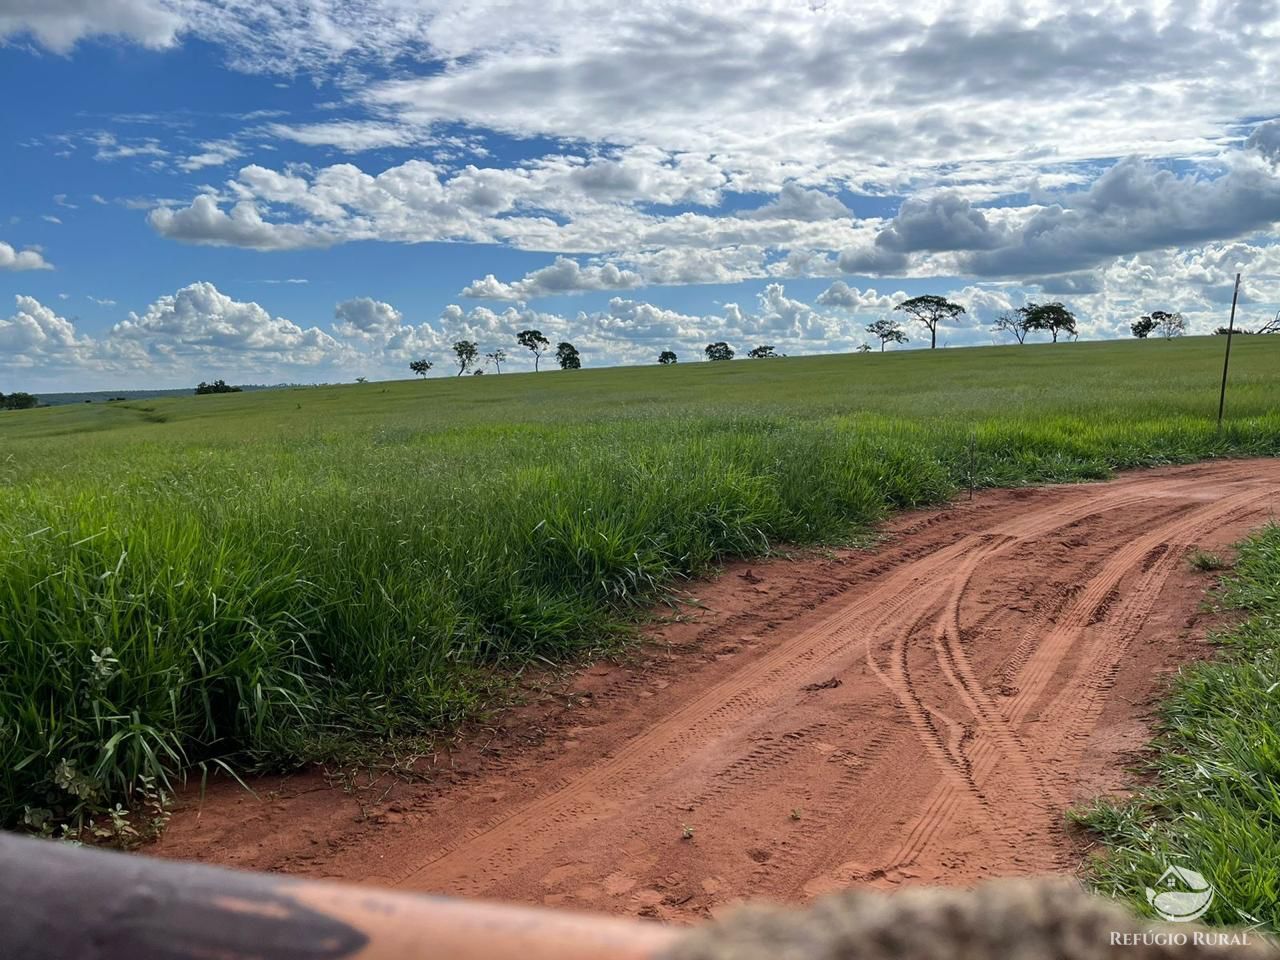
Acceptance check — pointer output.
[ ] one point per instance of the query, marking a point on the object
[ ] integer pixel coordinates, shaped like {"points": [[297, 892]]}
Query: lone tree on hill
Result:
{"points": [[1012, 321], [420, 367], [763, 352], [931, 311], [1170, 325], [567, 356], [719, 351], [1053, 317], [1142, 327], [888, 330], [535, 342], [667, 356], [497, 358], [863, 348], [467, 353]]}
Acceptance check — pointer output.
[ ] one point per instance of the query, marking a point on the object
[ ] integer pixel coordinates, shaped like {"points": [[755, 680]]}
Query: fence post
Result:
{"points": [[1226, 361]]}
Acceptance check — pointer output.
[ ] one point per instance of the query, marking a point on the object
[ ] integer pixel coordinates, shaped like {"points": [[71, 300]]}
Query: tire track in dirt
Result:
{"points": [[994, 744], [921, 712], [1097, 603]]}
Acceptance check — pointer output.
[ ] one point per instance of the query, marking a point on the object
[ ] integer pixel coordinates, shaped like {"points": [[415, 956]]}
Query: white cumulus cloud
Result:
{"points": [[845, 297], [366, 318], [204, 222], [200, 320], [60, 24], [563, 276], [36, 335], [11, 259]]}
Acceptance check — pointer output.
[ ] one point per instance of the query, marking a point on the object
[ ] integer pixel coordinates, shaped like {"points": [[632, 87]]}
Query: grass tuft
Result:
{"points": [[1206, 561]]}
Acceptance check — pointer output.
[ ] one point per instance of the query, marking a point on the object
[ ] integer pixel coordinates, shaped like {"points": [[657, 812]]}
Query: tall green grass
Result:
{"points": [[266, 578], [1214, 803]]}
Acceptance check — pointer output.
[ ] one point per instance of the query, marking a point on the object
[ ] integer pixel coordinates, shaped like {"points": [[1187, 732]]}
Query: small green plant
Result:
{"points": [[686, 832], [119, 831], [795, 813], [1206, 561]]}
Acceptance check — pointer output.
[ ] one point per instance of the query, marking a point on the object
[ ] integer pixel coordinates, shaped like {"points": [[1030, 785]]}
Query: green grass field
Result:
{"points": [[270, 577], [1213, 805]]}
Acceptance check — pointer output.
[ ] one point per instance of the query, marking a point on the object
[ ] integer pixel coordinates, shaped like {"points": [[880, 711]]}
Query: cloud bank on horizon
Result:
{"points": [[632, 179]]}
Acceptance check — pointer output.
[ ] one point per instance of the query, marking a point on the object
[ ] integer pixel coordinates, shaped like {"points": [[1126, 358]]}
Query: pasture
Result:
{"points": [[265, 579]]}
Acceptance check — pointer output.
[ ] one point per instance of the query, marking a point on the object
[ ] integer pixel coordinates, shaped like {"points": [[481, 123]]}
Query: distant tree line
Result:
{"points": [[1271, 326], [929, 311], [467, 355], [720, 350], [218, 386], [18, 401], [1169, 325]]}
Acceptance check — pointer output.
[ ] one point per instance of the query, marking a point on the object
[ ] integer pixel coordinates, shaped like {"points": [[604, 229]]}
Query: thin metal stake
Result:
{"points": [[1226, 361]]}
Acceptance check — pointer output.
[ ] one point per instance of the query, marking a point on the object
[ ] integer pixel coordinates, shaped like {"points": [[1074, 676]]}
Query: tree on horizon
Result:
{"points": [[719, 351], [1012, 321], [887, 330], [1169, 324], [467, 353], [535, 342], [931, 311], [1142, 327], [1053, 317], [567, 356]]}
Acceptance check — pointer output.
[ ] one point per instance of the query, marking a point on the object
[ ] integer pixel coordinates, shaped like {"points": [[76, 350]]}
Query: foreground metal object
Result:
{"points": [[63, 902]]}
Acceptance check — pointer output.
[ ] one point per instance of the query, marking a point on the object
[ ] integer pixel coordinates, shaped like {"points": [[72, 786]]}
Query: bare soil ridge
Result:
{"points": [[920, 713]]}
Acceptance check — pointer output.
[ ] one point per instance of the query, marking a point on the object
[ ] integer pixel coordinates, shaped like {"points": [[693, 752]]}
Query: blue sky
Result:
{"points": [[307, 190]]}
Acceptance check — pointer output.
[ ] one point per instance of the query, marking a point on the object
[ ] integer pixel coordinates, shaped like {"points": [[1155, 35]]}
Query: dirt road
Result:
{"points": [[923, 712]]}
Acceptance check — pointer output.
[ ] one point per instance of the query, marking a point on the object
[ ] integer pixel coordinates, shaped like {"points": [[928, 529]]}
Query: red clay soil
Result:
{"points": [[923, 712]]}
